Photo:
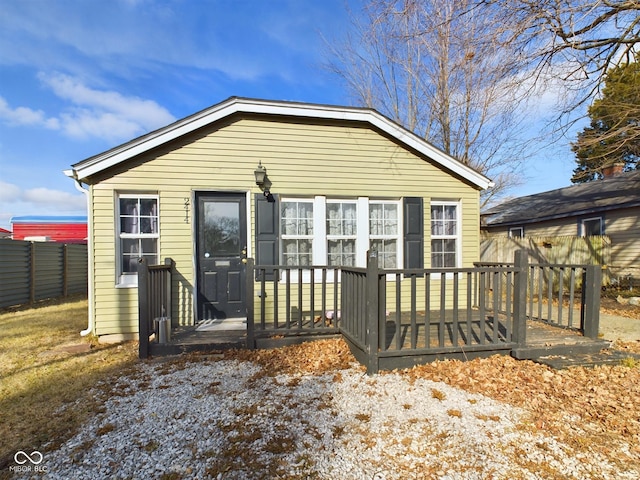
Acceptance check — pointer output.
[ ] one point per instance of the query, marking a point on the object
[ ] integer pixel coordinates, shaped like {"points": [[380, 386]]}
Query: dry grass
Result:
{"points": [[47, 372]]}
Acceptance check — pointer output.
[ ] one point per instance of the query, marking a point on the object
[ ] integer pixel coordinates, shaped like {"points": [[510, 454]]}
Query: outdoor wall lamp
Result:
{"points": [[262, 180]]}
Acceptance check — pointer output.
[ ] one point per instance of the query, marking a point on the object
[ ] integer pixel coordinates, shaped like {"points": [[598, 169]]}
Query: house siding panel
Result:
{"points": [[623, 227], [302, 159]]}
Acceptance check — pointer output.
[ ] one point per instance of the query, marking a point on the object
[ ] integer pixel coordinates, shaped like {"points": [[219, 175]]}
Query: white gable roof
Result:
{"points": [[233, 105]]}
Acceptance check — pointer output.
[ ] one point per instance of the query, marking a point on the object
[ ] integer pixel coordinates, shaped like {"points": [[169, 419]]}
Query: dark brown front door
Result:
{"points": [[221, 250]]}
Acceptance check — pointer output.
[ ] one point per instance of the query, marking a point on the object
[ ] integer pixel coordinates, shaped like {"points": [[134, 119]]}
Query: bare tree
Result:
{"points": [[577, 41], [443, 74]]}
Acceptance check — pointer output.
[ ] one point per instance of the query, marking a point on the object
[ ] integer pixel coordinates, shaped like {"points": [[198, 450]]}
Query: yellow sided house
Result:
{"points": [[266, 208]]}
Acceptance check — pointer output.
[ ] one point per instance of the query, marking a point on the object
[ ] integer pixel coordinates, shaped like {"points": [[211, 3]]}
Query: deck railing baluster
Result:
{"points": [[456, 286], [414, 327], [398, 314], [470, 288]]}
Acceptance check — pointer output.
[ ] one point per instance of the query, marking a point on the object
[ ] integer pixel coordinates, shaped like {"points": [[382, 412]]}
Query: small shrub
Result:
{"points": [[630, 362]]}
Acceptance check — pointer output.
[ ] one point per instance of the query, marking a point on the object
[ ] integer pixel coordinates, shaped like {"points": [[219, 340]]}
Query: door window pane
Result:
{"points": [[221, 230]]}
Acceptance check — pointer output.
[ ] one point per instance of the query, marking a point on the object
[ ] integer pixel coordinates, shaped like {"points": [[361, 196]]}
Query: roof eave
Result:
{"points": [[233, 105], [573, 213]]}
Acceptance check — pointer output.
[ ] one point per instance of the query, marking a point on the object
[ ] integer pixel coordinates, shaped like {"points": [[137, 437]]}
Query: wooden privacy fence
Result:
{"points": [[34, 271], [561, 250]]}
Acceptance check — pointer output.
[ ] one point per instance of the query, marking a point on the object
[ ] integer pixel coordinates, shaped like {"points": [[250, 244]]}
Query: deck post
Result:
{"points": [[251, 343], [143, 308], [372, 330], [521, 264], [168, 286], [590, 315]]}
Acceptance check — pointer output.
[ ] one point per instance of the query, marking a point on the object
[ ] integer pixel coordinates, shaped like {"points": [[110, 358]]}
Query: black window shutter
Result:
{"points": [[413, 232], [267, 247]]}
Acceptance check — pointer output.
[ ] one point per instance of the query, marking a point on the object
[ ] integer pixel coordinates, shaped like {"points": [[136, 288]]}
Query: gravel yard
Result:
{"points": [[310, 412]]}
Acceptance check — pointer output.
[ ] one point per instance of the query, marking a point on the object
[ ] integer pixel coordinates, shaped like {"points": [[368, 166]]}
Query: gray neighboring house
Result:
{"points": [[610, 206]]}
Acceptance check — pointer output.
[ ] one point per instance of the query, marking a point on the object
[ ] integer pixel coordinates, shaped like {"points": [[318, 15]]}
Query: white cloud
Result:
{"points": [[56, 199], [95, 113], [9, 192], [83, 123], [39, 200], [24, 116], [145, 113]]}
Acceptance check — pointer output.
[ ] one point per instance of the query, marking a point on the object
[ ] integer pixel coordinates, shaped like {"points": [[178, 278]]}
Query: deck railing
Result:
{"points": [[154, 301], [566, 296], [398, 318], [292, 302]]}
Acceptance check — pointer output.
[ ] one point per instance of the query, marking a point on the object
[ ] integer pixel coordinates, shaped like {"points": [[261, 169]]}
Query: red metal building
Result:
{"points": [[63, 229]]}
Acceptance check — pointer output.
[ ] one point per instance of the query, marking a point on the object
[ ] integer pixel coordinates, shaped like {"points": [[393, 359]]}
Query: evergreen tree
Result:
{"points": [[614, 133]]}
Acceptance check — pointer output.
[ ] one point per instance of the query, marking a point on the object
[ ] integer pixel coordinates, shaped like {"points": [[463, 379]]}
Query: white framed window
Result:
{"points": [[137, 234], [591, 226], [385, 232], [338, 232], [296, 229], [445, 234], [516, 232], [341, 232]]}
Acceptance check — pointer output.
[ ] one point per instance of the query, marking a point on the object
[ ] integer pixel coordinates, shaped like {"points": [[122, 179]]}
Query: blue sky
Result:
{"points": [[78, 77]]}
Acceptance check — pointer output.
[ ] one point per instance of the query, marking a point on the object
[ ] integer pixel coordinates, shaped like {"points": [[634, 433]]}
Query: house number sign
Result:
{"points": [[186, 210]]}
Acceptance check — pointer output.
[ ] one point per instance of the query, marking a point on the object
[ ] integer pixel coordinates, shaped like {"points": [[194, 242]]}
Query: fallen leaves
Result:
{"points": [[589, 409], [320, 356]]}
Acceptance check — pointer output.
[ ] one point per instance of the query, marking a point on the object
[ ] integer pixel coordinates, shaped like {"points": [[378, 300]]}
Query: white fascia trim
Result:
{"points": [[236, 105]]}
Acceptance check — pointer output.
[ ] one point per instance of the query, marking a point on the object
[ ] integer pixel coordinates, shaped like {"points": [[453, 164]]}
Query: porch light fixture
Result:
{"points": [[262, 180], [261, 173]]}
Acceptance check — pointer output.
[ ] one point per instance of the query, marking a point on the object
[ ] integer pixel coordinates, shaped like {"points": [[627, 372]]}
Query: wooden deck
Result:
{"points": [[543, 340]]}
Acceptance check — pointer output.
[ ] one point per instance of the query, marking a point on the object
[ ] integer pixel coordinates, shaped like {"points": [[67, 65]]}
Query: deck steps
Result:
{"points": [[603, 357], [581, 346], [189, 341]]}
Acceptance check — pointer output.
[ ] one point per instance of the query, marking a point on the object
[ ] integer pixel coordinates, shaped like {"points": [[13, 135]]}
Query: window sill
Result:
{"points": [[128, 283]]}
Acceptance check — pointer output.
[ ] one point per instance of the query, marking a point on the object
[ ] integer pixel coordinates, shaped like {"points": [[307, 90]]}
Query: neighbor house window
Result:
{"points": [[516, 232], [384, 232], [137, 234], [444, 234], [296, 229], [342, 230], [592, 226]]}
